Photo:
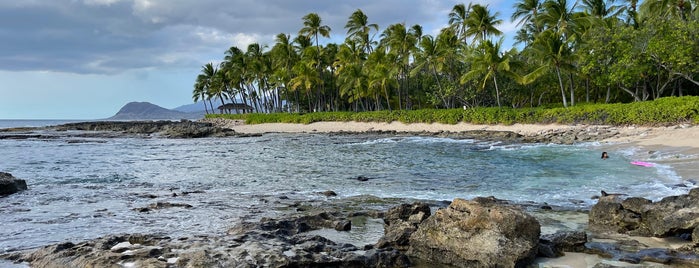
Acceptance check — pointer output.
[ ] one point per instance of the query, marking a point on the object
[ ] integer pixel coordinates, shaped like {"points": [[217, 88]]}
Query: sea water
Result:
{"points": [[82, 188]]}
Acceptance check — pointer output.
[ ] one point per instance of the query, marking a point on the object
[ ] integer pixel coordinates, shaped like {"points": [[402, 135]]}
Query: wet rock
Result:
{"points": [[672, 216], [343, 225], [400, 222], [363, 178], [10, 185], [477, 233], [162, 205], [553, 245], [329, 193], [168, 129]]}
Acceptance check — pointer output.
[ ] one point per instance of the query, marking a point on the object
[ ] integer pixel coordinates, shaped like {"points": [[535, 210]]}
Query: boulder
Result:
{"points": [[400, 222], [553, 245], [10, 185], [671, 216], [483, 232]]}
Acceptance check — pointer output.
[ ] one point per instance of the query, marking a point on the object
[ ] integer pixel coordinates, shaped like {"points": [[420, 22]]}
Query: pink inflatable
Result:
{"points": [[643, 164]]}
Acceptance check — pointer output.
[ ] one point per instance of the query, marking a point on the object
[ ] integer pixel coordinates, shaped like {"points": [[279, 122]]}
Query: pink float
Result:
{"points": [[643, 164]]}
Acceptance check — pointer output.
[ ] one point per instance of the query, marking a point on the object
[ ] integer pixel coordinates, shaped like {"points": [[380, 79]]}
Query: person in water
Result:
{"points": [[604, 155]]}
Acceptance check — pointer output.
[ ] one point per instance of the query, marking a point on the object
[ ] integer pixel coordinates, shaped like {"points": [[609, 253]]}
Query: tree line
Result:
{"points": [[593, 51]]}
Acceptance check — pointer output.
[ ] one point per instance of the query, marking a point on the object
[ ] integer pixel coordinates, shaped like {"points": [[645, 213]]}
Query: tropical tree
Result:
{"points": [[481, 24], [553, 51], [359, 29], [488, 62], [313, 28], [199, 93], [527, 11], [458, 18]]}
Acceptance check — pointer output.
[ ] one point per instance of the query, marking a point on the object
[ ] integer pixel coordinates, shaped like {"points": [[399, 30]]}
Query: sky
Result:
{"points": [[85, 59]]}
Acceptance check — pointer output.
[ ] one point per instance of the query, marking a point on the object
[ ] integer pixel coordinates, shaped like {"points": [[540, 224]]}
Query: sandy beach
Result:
{"points": [[677, 146]]}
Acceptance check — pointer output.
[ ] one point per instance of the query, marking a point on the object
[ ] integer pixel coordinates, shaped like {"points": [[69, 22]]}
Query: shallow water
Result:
{"points": [[85, 188]]}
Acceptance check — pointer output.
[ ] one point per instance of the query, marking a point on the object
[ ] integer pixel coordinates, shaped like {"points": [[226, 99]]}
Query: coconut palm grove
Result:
{"points": [[593, 51]]}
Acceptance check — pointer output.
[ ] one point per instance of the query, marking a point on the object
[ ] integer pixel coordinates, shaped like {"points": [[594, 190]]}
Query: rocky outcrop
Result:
{"points": [[400, 223], [267, 243], [671, 216], [484, 232], [168, 129], [10, 185], [553, 245]]}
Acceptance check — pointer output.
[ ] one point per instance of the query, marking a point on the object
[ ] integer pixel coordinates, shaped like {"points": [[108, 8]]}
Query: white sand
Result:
{"points": [[676, 136]]}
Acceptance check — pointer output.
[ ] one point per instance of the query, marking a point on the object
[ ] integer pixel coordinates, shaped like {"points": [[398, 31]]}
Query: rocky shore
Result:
{"points": [[226, 128], [482, 232], [618, 231]]}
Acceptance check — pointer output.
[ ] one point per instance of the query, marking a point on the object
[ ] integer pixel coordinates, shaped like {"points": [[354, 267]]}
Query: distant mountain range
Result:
{"points": [[149, 111]]}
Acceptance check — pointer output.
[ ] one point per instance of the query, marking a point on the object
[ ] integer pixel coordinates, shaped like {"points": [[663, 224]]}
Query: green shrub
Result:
{"points": [[663, 111]]}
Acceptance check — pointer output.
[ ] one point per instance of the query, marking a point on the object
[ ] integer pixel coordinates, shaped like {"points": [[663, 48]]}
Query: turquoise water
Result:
{"points": [[81, 188]]}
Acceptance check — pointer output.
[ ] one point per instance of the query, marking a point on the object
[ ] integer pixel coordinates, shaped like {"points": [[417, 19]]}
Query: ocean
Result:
{"points": [[83, 188], [12, 123]]}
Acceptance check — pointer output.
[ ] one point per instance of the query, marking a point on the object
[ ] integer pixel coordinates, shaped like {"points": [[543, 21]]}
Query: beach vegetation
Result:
{"points": [[660, 112], [568, 60]]}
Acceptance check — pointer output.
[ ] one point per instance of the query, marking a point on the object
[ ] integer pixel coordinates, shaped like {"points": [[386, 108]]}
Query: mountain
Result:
{"points": [[197, 107], [149, 111]]}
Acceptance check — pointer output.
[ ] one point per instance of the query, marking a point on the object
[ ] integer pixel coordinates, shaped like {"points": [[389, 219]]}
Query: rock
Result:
{"points": [[671, 216], [329, 193], [162, 205], [553, 245], [10, 185], [400, 222], [404, 212], [343, 225], [477, 233], [362, 178]]}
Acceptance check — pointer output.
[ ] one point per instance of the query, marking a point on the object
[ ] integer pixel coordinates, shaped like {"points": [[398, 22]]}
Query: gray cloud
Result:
{"points": [[112, 36]]}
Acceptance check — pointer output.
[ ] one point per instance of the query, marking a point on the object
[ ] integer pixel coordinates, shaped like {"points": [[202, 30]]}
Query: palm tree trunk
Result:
{"points": [[497, 90], [563, 91], [222, 102], [203, 100], [572, 91]]}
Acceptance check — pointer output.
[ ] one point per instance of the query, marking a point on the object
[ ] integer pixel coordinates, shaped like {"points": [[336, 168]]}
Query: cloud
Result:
{"points": [[114, 36]]}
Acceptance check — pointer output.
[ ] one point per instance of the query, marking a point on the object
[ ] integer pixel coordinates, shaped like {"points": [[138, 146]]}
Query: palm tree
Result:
{"points": [[283, 59], [306, 74], [481, 24], [489, 62], [552, 49], [312, 27], [527, 11], [359, 28], [215, 82], [681, 9], [199, 92], [382, 75], [400, 42], [431, 57], [457, 20], [351, 74]]}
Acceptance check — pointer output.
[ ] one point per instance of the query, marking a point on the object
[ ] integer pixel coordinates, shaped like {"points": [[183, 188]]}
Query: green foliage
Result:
{"points": [[663, 111]]}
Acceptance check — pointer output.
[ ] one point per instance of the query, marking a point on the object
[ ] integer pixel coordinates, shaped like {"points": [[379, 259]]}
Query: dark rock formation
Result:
{"points": [[168, 129], [400, 223], [478, 233], [553, 245], [671, 216], [10, 185]]}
